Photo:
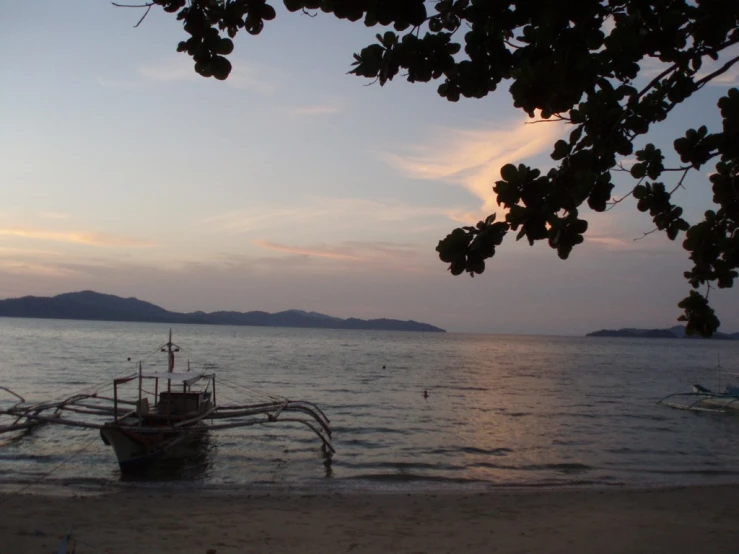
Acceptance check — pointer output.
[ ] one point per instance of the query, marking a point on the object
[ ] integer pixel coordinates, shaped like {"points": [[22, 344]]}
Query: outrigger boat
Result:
{"points": [[703, 399], [175, 411]]}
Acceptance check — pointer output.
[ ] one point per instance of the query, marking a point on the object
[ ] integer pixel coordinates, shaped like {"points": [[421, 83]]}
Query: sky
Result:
{"points": [[293, 185]]}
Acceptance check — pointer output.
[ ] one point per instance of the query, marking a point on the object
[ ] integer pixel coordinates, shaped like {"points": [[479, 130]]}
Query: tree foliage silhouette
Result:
{"points": [[577, 62]]}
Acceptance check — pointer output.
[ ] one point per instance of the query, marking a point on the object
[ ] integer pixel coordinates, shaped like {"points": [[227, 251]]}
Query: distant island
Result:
{"points": [[676, 332], [91, 305]]}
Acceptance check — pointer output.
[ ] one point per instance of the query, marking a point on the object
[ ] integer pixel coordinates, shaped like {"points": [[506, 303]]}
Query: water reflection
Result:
{"points": [[190, 461]]}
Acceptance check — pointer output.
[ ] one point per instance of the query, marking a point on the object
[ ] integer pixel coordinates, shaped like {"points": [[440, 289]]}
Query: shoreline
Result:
{"points": [[76, 489], [577, 521], [81, 488]]}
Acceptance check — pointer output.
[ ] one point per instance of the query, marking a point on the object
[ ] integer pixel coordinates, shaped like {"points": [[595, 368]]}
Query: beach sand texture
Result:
{"points": [[702, 519]]}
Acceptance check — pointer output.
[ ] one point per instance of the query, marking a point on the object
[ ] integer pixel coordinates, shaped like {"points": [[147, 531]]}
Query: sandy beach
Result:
{"points": [[691, 519]]}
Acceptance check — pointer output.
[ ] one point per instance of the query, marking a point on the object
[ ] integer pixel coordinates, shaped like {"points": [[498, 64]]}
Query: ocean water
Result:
{"points": [[502, 411]]}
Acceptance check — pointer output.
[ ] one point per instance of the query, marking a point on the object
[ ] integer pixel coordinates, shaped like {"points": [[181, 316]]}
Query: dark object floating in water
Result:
{"points": [[91, 305]]}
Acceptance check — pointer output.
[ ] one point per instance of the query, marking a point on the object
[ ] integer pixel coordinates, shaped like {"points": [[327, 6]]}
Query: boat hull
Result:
{"points": [[703, 399], [137, 448], [720, 402]]}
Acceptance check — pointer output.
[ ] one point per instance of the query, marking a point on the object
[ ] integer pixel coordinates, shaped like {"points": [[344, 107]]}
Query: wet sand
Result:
{"points": [[689, 519]]}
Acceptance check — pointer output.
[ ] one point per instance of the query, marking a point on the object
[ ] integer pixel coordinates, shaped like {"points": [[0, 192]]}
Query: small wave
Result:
{"points": [[402, 467], [644, 451], [582, 415], [32, 479], [706, 472], [491, 452], [564, 467], [334, 407], [370, 430], [359, 443], [407, 477], [572, 442], [643, 417], [39, 458], [460, 387]]}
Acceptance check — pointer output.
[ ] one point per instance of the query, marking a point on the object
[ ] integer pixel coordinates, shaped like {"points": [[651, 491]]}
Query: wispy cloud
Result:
{"points": [[317, 252], [317, 110], [357, 210], [622, 230], [609, 242], [117, 83], [349, 258], [76, 237], [243, 76], [53, 215], [347, 250], [254, 78], [176, 69], [472, 158], [39, 268], [728, 79], [651, 67], [16, 252]]}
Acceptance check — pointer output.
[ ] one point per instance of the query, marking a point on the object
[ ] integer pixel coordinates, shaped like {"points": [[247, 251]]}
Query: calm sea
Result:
{"points": [[520, 411]]}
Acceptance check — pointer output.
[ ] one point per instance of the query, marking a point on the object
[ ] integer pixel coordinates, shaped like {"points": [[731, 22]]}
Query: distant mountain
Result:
{"points": [[676, 332], [92, 305]]}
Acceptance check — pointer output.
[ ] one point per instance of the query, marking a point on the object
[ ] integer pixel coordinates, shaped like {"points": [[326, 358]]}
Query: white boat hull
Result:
{"points": [[703, 400], [720, 402]]}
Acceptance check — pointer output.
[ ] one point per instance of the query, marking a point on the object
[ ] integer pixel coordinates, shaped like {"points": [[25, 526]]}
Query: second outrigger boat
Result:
{"points": [[182, 406], [703, 399]]}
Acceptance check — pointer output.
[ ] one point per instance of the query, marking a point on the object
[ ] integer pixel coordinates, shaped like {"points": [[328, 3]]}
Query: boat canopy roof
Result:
{"points": [[188, 378]]}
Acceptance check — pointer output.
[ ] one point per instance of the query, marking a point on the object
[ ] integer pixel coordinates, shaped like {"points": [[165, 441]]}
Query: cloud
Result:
{"points": [[608, 241], [16, 252], [472, 158], [651, 67], [15, 267], [728, 79], [254, 78], [76, 237], [357, 211], [177, 69], [243, 76], [314, 110], [53, 215], [115, 83], [348, 250], [356, 258], [317, 252]]}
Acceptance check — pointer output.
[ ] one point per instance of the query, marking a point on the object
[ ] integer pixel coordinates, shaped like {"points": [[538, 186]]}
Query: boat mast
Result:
{"points": [[170, 367], [170, 360]]}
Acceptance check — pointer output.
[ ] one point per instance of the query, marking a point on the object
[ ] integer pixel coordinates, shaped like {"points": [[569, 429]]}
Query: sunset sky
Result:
{"points": [[292, 184]]}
